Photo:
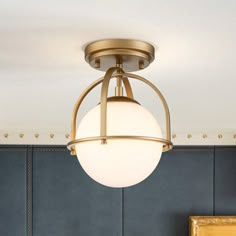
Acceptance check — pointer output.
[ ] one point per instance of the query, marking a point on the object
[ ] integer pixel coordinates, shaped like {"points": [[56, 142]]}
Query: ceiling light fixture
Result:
{"points": [[118, 142]]}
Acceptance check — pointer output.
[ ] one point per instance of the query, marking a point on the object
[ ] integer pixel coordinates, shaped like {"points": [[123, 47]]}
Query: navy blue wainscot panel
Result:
{"points": [[181, 185], [225, 181], [13, 191], [66, 202]]}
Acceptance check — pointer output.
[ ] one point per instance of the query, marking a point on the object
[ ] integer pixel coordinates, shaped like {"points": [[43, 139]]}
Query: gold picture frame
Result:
{"points": [[212, 225]]}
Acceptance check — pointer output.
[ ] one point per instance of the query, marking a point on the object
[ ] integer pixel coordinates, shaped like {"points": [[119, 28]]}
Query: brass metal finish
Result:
{"points": [[167, 145], [133, 55], [104, 94], [158, 92], [97, 64], [128, 88], [141, 65], [130, 55], [82, 97], [121, 99], [212, 225], [119, 89]]}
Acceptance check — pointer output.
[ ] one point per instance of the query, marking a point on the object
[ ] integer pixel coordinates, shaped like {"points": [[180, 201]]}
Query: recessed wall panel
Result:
{"points": [[67, 202], [13, 191], [181, 185], [225, 181]]}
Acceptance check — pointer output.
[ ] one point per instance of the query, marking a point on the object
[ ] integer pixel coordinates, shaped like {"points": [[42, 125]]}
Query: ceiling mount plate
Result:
{"points": [[133, 55]]}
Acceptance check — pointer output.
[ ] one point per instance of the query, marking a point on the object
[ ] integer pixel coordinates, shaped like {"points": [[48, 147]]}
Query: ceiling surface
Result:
{"points": [[42, 67]]}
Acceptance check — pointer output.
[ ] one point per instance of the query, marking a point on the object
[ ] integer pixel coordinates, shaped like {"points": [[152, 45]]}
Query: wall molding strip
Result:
{"points": [[29, 192], [62, 138]]}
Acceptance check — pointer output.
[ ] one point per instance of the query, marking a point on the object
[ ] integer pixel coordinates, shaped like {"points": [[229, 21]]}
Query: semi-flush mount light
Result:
{"points": [[119, 143]]}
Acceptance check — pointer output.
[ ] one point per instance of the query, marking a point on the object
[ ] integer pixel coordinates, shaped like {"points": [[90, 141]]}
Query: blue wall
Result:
{"points": [[44, 191]]}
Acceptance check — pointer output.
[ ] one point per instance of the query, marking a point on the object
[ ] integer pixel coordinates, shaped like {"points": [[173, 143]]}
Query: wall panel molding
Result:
{"points": [[29, 194]]}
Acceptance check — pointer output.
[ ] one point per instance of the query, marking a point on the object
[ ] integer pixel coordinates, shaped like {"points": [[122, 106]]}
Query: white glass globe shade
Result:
{"points": [[120, 162]]}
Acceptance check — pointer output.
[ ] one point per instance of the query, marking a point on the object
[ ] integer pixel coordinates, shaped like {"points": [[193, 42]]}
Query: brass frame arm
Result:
{"points": [[158, 92], [82, 97], [104, 92]]}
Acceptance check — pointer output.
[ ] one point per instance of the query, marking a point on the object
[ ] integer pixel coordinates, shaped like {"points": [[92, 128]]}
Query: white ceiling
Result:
{"points": [[42, 67]]}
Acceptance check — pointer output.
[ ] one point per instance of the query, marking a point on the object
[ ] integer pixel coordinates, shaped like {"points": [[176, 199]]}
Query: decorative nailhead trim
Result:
{"points": [[62, 138]]}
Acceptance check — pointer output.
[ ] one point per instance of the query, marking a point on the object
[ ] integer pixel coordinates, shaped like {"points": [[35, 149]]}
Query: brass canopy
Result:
{"points": [[131, 55]]}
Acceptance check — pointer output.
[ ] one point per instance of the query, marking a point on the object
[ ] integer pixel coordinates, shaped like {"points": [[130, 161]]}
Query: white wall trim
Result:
{"points": [[62, 138]]}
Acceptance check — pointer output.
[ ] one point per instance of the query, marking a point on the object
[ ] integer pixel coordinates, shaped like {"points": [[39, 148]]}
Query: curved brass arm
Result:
{"points": [[129, 75], [164, 103], [82, 97], [106, 79], [128, 88], [104, 93], [77, 106]]}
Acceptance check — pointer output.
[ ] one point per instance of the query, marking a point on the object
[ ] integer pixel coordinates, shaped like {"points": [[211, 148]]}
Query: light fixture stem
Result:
{"points": [[104, 93], [119, 88]]}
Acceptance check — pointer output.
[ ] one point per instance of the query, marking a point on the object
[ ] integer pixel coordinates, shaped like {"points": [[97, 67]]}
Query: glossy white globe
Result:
{"points": [[120, 162]]}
